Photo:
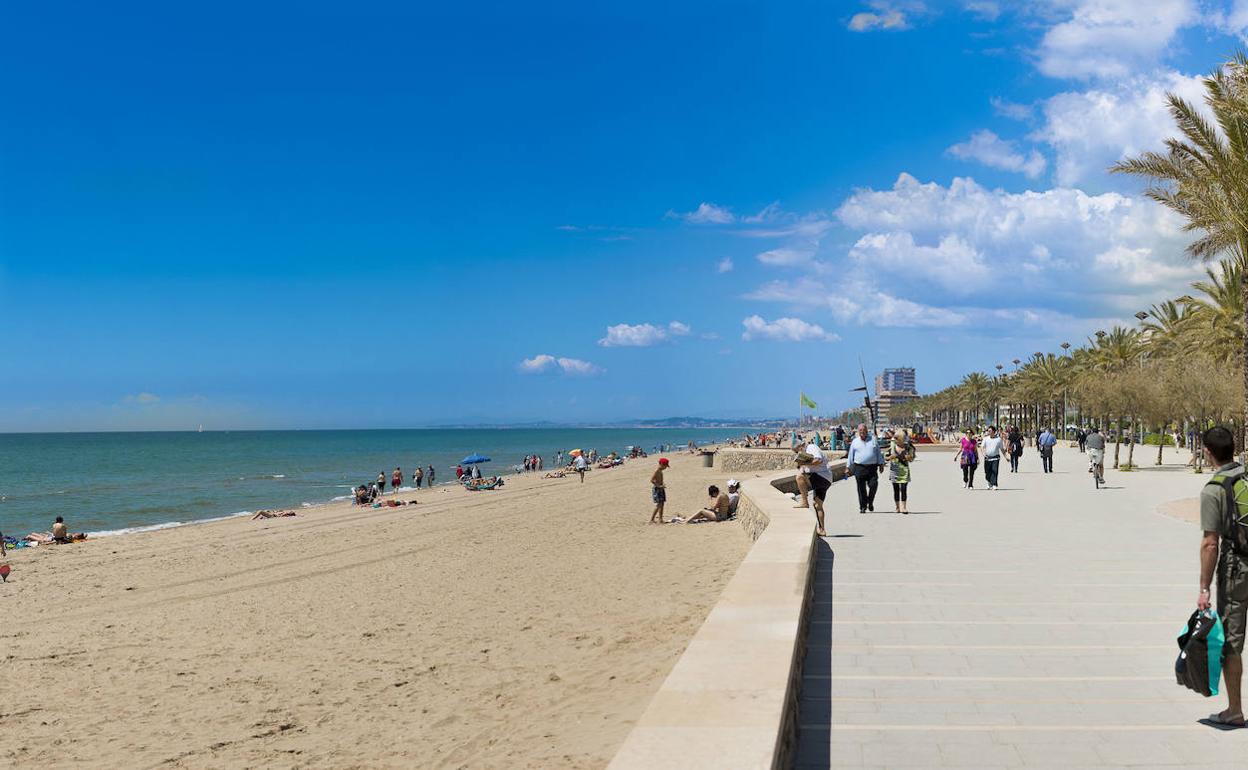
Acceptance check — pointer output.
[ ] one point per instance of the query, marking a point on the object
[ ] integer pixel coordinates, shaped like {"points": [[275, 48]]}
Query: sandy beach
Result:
{"points": [[526, 627]]}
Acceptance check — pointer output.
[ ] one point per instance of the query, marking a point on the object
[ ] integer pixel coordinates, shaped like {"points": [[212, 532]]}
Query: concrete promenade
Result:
{"points": [[1033, 626]]}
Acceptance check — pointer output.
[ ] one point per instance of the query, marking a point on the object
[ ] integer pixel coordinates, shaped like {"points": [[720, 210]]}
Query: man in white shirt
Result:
{"points": [[820, 478], [993, 446], [581, 465], [864, 462]]}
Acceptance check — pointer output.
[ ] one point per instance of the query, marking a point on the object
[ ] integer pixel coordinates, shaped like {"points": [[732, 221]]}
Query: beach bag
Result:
{"points": [[1235, 517], [1199, 666]]}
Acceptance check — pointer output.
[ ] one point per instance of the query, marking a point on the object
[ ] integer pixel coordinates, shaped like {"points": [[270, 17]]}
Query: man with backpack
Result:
{"points": [[1224, 547]]}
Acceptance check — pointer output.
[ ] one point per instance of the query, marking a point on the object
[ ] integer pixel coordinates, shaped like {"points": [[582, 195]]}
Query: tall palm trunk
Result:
{"points": [[1243, 352], [1117, 441], [1131, 446]]}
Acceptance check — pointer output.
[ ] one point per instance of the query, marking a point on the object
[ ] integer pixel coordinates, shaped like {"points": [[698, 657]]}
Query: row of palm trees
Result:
{"points": [[1185, 365]]}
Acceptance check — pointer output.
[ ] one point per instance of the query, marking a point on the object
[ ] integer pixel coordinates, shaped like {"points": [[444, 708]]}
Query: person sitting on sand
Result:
{"points": [[734, 496], [716, 511], [60, 533]]}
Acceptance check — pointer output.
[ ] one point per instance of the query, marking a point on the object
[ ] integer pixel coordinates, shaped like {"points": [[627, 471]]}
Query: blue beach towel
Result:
{"points": [[1199, 666]]}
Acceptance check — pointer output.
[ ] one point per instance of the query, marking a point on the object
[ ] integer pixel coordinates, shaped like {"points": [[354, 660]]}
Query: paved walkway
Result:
{"points": [[1032, 626]]}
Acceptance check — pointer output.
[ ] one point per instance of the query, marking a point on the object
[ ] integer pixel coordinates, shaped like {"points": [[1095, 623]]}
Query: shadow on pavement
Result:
{"points": [[814, 705]]}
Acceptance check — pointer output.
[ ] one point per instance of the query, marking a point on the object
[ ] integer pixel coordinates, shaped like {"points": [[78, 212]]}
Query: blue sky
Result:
{"points": [[400, 214]]}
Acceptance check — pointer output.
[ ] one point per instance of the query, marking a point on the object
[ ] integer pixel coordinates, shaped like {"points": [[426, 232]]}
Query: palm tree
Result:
{"points": [[1203, 176], [1215, 316]]}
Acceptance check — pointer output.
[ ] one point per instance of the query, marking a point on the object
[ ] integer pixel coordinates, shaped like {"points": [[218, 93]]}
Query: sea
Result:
{"points": [[114, 483]]}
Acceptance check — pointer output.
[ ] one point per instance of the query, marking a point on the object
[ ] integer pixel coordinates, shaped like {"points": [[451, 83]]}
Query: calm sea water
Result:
{"points": [[112, 482]]}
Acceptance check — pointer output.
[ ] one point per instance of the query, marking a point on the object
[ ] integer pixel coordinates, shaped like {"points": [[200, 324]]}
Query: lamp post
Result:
{"points": [[1016, 362], [1141, 316], [1065, 388], [996, 409]]}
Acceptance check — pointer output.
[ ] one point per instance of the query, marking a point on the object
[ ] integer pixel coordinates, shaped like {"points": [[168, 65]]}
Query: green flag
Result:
{"points": [[806, 402]]}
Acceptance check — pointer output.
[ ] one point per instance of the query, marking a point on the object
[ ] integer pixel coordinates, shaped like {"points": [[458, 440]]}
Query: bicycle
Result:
{"points": [[1096, 466]]}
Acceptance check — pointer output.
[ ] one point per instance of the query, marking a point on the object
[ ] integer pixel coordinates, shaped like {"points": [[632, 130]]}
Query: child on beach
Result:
{"points": [[658, 492]]}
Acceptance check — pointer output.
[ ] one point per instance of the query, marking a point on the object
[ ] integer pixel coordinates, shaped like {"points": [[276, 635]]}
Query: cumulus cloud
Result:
{"points": [[1067, 241], [853, 299], [952, 262], [1107, 39], [1232, 20], [724, 265], [642, 335], [706, 214], [544, 362], [784, 330], [991, 150], [1091, 129]]}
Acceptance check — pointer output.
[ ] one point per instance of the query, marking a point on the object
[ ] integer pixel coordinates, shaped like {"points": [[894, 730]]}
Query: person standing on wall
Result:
{"points": [[864, 462]]}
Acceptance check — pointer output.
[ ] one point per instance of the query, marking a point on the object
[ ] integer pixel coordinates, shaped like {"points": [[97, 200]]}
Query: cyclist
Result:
{"points": [[1095, 443]]}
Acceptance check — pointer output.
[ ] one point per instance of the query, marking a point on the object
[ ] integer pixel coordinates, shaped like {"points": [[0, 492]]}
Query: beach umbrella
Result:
{"points": [[474, 458], [575, 453]]}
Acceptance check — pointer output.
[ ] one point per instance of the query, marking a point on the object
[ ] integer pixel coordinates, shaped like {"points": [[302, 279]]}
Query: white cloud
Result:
{"points": [[768, 213], [143, 399], [543, 362], [1089, 130], [786, 256], [724, 265], [952, 262], [577, 366], [863, 22], [991, 150], [1067, 242], [852, 299], [707, 214], [784, 330], [1111, 38], [1012, 110], [538, 363], [641, 335], [1233, 20], [986, 10]]}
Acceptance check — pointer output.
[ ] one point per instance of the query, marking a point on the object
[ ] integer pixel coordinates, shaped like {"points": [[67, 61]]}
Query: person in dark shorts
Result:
{"points": [[429, 476], [1217, 553], [658, 492], [381, 483], [396, 479], [820, 478]]}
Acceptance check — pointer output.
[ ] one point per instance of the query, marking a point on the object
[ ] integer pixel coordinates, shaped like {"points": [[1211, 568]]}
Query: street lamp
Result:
{"points": [[1141, 315], [1065, 391], [996, 417]]}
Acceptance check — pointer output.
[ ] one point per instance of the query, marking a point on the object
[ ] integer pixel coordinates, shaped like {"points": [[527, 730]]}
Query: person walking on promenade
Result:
{"points": [[993, 449], [968, 457], [1224, 546], [1046, 442], [864, 462], [819, 480], [1014, 440], [840, 437], [658, 492], [429, 477], [1082, 437], [900, 453]]}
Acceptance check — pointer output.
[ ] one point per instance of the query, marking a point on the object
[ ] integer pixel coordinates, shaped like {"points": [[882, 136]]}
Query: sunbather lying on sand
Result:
{"points": [[556, 475], [272, 514]]}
